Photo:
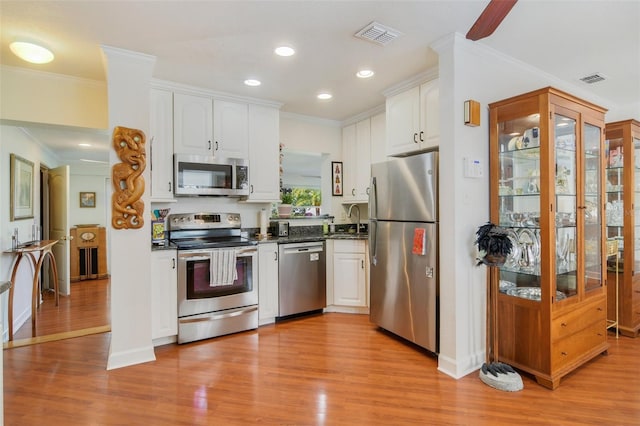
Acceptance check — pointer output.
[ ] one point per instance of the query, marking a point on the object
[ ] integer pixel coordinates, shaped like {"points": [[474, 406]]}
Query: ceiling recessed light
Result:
{"points": [[31, 52], [84, 144], [284, 51], [252, 82], [364, 73], [325, 96]]}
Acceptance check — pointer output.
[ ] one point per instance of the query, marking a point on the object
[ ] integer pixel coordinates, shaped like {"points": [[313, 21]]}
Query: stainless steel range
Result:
{"points": [[217, 275]]}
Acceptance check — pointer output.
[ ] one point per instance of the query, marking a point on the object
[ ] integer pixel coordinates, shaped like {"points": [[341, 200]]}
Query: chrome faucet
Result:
{"points": [[349, 214]]}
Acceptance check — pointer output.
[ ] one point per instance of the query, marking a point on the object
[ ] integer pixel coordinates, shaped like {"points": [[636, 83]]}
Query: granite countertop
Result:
{"points": [[309, 238]]}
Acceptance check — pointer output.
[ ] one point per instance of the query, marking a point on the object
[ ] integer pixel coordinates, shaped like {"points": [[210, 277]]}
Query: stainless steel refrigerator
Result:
{"points": [[403, 248]]}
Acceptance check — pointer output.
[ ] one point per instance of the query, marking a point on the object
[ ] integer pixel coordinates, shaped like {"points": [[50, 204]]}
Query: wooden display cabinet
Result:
{"points": [[548, 302], [88, 251], [622, 219]]}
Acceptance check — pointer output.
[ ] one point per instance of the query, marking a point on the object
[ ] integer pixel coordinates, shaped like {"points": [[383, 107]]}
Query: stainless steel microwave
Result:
{"points": [[196, 175]]}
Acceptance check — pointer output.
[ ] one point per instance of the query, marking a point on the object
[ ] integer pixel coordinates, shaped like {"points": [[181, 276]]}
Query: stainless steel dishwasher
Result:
{"points": [[302, 278]]}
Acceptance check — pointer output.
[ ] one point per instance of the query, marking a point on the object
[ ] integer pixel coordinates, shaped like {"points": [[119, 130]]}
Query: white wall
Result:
{"points": [[42, 97], [128, 76], [14, 141], [92, 178]]}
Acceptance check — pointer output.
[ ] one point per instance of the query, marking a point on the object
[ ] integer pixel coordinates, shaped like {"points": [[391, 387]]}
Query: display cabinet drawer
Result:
{"points": [[566, 351], [578, 319]]}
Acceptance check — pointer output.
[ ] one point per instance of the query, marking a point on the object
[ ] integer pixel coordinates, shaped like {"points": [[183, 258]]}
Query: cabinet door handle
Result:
{"points": [[362, 264], [353, 192], [276, 255], [421, 139], [170, 187], [216, 145], [564, 353], [173, 263], [251, 191], [368, 190], [564, 324], [415, 135], [209, 145]]}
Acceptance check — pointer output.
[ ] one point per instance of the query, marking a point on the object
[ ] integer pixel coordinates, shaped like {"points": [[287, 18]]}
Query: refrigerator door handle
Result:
{"points": [[373, 242], [373, 199]]}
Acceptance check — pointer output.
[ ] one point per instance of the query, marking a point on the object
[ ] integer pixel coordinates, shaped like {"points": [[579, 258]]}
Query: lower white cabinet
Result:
{"points": [[164, 294], [267, 282], [350, 276]]}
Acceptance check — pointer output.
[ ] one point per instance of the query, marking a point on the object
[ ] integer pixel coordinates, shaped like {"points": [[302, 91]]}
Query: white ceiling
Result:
{"points": [[219, 44]]}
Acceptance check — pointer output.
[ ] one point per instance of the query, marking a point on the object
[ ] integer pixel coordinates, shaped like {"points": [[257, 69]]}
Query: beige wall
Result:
{"points": [[39, 97]]}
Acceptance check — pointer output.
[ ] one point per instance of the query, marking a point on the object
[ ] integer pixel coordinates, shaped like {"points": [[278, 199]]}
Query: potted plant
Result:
{"points": [[494, 245], [286, 201]]}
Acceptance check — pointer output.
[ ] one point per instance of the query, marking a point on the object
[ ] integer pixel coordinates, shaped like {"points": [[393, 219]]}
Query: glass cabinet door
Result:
{"points": [[566, 206], [519, 205], [614, 189], [592, 254]]}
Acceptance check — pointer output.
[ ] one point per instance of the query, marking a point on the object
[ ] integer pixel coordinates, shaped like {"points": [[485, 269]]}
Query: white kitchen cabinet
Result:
{"points": [[413, 118], [164, 294], [378, 138], [350, 273], [267, 282], [160, 141], [192, 124], [356, 156], [230, 129], [264, 154], [205, 126]]}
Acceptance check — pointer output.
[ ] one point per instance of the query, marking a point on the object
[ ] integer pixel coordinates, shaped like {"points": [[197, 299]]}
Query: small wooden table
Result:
{"points": [[44, 249]]}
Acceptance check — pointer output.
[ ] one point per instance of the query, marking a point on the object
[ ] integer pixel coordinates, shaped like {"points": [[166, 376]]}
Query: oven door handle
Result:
{"points": [[194, 257], [246, 251], [220, 316]]}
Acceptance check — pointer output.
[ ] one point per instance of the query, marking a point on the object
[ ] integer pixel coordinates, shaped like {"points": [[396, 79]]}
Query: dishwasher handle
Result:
{"points": [[294, 250]]}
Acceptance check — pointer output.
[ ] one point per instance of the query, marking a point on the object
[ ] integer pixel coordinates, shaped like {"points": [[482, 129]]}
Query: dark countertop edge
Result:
{"points": [[285, 219], [4, 286], [310, 238], [284, 240]]}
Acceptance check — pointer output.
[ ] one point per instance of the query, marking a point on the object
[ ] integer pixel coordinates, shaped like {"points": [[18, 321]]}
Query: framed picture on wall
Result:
{"points": [[336, 178], [21, 188], [87, 199]]}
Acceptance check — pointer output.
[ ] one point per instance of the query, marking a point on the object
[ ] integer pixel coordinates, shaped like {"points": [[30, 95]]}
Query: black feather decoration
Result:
{"points": [[494, 242]]}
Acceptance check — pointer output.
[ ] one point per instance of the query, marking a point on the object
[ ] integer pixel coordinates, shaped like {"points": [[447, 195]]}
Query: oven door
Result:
{"points": [[198, 293]]}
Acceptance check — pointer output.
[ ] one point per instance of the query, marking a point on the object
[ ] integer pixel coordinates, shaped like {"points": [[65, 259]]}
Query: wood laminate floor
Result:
{"points": [[86, 311], [331, 369]]}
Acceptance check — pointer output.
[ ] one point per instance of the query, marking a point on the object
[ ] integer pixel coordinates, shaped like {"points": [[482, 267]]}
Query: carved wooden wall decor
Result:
{"points": [[128, 182]]}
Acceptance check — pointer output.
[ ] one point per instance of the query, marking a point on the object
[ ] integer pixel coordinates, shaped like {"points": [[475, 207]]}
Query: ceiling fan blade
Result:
{"points": [[490, 18]]}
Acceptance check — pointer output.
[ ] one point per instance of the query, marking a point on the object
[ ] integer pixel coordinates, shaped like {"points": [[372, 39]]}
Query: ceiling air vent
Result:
{"points": [[593, 78], [378, 33]]}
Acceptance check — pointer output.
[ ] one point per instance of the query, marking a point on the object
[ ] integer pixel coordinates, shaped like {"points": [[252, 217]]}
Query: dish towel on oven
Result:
{"points": [[224, 271]]}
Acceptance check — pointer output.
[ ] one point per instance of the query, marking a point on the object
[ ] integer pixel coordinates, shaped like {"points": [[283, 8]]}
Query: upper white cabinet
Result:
{"points": [[413, 119], [356, 156], [192, 124], [164, 294], [230, 129], [267, 282], [264, 155], [161, 145], [206, 126], [378, 138]]}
